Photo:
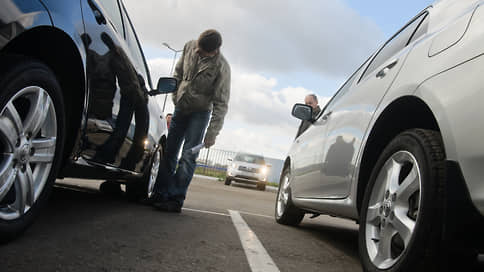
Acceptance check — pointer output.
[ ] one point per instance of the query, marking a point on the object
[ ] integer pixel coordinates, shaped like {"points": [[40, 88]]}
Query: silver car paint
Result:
{"points": [[434, 69]]}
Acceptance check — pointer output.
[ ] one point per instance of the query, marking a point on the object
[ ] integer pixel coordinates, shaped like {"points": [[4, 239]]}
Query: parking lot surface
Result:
{"points": [[82, 229]]}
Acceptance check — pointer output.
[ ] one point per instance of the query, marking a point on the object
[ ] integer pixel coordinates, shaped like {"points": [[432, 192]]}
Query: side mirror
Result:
{"points": [[165, 85], [230, 159], [303, 112]]}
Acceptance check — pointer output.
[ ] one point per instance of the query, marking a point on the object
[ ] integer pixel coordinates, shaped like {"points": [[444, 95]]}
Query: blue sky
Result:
{"points": [[279, 51]]}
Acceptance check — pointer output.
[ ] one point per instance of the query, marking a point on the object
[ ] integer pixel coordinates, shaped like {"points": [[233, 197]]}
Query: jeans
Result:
{"points": [[172, 182]]}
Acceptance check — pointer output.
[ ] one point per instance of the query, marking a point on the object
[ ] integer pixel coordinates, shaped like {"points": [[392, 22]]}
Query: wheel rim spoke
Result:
{"points": [[8, 131], [25, 193], [44, 150], [384, 254], [12, 114], [37, 112], [403, 225], [7, 176], [393, 173], [373, 214], [409, 186]]}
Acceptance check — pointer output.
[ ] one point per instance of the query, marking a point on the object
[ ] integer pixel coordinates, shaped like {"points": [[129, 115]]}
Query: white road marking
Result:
{"points": [[259, 259], [256, 214], [202, 211]]}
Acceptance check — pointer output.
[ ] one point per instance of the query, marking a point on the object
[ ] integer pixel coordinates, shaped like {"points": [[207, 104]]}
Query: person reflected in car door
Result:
{"points": [[134, 101], [312, 101]]}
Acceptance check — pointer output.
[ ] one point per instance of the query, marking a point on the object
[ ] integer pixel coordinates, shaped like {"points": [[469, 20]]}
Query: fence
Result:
{"points": [[213, 162]]}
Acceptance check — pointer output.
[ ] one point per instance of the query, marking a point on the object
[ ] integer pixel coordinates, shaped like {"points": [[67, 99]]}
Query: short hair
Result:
{"points": [[168, 114], [210, 40], [314, 97]]}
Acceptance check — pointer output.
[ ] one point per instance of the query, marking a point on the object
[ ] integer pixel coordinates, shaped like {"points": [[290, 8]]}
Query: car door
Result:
{"points": [[117, 116], [348, 115]]}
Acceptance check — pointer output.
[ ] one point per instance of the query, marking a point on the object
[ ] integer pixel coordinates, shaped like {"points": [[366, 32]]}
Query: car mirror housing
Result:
{"points": [[165, 85], [303, 112]]}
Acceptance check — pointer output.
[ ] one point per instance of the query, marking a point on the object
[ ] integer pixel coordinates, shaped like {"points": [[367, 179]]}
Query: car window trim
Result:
{"points": [[147, 70], [425, 11]]}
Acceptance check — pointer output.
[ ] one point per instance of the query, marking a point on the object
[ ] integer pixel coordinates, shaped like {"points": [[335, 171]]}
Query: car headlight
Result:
{"points": [[263, 170], [234, 165]]}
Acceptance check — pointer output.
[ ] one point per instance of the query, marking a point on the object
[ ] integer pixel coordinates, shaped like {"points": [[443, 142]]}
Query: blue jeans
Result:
{"points": [[172, 183]]}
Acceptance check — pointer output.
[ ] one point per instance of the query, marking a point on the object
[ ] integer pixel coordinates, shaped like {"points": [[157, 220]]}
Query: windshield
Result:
{"points": [[250, 158]]}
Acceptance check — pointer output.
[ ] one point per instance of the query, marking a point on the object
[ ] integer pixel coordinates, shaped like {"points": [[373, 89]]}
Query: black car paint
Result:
{"points": [[108, 60]]}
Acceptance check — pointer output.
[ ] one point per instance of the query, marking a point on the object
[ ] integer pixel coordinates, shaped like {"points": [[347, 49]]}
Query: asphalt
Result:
{"points": [[82, 229]]}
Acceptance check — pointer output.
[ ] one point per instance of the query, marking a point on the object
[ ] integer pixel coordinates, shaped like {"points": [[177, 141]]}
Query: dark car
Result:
{"points": [[76, 101]]}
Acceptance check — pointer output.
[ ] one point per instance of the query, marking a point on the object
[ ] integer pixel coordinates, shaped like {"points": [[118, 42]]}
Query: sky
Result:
{"points": [[279, 51]]}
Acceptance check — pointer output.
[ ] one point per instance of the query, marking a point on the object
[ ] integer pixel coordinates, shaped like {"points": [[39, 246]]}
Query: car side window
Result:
{"points": [[134, 45], [344, 88], [111, 7], [394, 45]]}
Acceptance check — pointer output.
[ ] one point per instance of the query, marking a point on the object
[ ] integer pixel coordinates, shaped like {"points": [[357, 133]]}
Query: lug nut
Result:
{"points": [[381, 209], [387, 194]]}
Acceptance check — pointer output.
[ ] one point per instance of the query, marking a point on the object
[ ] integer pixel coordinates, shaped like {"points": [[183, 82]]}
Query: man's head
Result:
{"points": [[311, 100], [209, 43]]}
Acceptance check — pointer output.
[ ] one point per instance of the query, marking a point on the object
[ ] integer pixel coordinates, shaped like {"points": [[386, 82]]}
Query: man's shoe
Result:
{"points": [[168, 206]]}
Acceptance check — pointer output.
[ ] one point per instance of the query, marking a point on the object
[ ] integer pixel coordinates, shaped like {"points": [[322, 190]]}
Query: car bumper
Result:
{"points": [[246, 177]]}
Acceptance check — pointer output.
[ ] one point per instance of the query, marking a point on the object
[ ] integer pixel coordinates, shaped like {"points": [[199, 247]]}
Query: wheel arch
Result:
{"points": [[404, 113], [59, 52]]}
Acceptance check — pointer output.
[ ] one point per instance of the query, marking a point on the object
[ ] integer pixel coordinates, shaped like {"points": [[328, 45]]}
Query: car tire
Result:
{"points": [[261, 186], [285, 212], [402, 217], [32, 134], [142, 189], [228, 181]]}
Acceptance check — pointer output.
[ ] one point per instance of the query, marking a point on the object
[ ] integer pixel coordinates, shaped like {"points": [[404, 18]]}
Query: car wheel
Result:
{"points": [[32, 124], [136, 190], [228, 181], [402, 216], [261, 186], [286, 213]]}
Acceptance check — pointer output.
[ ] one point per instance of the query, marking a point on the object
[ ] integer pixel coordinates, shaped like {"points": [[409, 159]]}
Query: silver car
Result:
{"points": [[399, 148], [249, 169]]}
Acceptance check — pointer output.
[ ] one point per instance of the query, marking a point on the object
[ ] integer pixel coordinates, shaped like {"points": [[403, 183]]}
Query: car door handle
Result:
{"points": [[100, 19], [325, 117], [383, 72]]}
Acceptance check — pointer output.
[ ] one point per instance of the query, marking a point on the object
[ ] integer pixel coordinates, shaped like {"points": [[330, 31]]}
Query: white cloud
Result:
{"points": [[317, 36]]}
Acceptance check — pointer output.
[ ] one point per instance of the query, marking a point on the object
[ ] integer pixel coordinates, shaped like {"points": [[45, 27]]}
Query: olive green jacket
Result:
{"points": [[203, 85]]}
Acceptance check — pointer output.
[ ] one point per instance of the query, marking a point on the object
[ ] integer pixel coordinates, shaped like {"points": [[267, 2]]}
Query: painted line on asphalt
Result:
{"points": [[257, 256], [256, 214], [207, 212]]}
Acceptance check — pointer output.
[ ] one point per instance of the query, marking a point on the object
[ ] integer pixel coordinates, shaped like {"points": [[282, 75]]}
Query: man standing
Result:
{"points": [[310, 100], [203, 92]]}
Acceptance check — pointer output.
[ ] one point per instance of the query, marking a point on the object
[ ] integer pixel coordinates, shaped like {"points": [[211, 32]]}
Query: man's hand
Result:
{"points": [[208, 142]]}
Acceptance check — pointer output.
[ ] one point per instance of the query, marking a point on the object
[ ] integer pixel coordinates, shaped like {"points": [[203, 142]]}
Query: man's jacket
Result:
{"points": [[305, 124], [204, 85]]}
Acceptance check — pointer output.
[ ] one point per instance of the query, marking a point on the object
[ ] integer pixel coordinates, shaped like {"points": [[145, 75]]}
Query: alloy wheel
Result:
{"points": [[28, 130], [393, 209], [283, 195], [155, 167]]}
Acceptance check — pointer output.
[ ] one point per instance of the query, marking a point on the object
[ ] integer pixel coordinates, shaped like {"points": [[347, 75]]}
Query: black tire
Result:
{"points": [[228, 181], [261, 186], [17, 73], [290, 215], [424, 250], [138, 189]]}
